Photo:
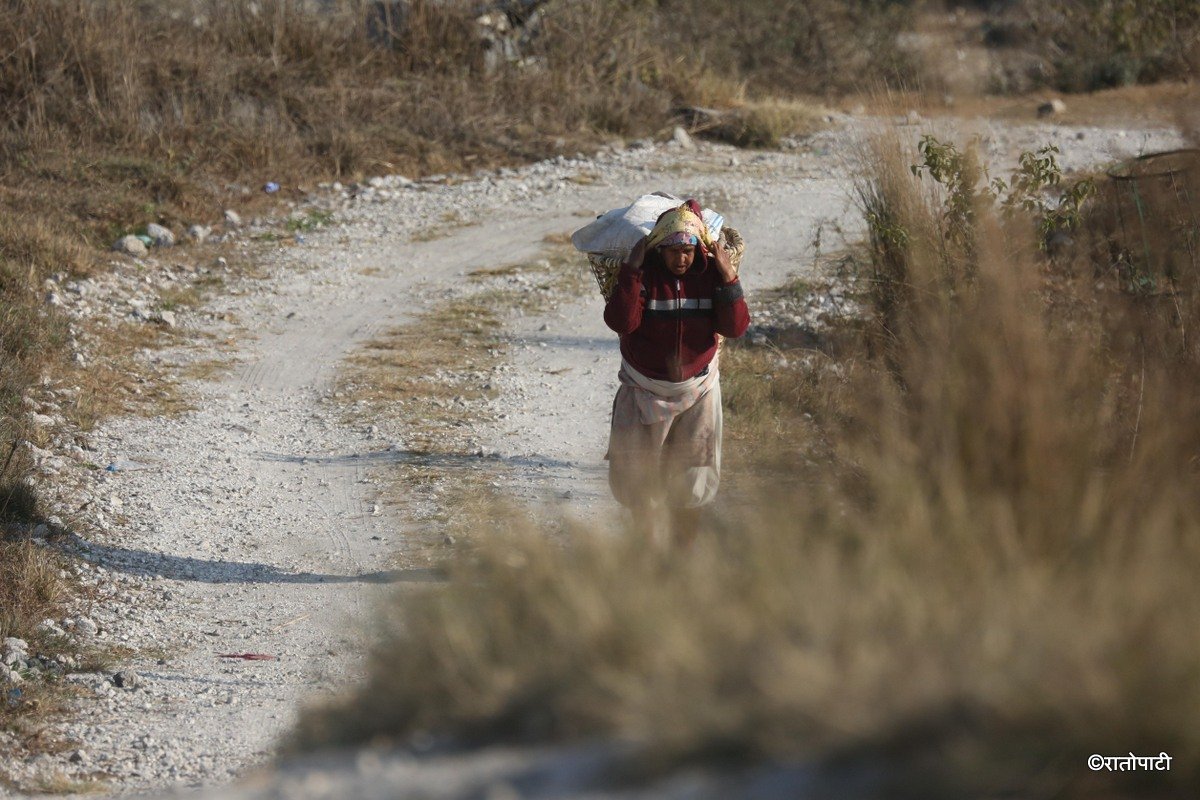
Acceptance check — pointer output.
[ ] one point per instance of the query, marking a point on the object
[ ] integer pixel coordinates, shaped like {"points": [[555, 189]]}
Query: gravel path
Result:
{"points": [[256, 523]]}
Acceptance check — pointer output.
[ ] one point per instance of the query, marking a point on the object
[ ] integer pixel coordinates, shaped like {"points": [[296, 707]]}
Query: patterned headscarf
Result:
{"points": [[683, 225], [682, 237]]}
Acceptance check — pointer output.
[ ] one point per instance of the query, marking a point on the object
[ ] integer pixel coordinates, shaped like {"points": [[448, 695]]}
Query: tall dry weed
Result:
{"points": [[29, 585]]}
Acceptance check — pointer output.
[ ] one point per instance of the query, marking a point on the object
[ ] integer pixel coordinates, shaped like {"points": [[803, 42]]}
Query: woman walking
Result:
{"points": [[674, 295]]}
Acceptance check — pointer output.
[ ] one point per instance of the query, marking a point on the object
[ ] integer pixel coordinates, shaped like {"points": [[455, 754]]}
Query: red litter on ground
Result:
{"points": [[248, 656]]}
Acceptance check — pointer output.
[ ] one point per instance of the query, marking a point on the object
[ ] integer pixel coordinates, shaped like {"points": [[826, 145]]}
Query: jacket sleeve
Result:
{"points": [[623, 313], [733, 317]]}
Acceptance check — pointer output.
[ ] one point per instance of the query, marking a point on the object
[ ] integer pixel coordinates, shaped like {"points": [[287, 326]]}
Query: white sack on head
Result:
{"points": [[614, 233]]}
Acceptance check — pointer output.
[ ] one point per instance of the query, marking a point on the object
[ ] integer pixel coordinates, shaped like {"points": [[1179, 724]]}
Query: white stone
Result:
{"points": [[232, 218], [40, 420], [161, 236], [49, 627], [130, 246]]}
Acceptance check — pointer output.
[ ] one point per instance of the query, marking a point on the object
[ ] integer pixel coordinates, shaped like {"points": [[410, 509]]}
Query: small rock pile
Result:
{"points": [[161, 237], [14, 657], [18, 664]]}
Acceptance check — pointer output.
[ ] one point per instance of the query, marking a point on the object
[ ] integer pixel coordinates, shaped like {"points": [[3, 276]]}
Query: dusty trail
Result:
{"points": [[258, 525]]}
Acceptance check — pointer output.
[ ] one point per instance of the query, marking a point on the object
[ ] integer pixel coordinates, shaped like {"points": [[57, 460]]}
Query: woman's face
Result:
{"points": [[678, 258]]}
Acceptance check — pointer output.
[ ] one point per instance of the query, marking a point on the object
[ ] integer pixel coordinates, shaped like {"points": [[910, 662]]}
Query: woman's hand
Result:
{"points": [[637, 256], [724, 265]]}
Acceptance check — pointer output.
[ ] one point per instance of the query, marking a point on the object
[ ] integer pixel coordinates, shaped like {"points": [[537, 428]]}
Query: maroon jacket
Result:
{"points": [[669, 325]]}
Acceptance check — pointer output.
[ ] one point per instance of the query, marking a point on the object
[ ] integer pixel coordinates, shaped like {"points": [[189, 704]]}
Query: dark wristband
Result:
{"points": [[727, 295]]}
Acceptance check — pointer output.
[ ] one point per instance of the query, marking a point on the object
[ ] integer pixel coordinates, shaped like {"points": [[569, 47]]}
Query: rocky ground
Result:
{"points": [[234, 541]]}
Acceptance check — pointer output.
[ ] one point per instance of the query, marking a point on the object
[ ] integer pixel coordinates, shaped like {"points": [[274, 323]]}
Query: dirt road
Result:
{"points": [[260, 521]]}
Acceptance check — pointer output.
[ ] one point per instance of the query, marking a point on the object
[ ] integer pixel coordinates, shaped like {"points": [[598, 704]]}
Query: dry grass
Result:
{"points": [[763, 123], [440, 363], [446, 226], [29, 587], [782, 398], [1079, 45], [434, 376], [980, 571], [147, 126], [29, 341], [120, 381], [31, 728], [813, 47], [424, 367], [31, 590]]}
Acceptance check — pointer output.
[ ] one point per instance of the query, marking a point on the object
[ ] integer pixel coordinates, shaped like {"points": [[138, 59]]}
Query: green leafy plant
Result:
{"points": [[1035, 187], [1038, 172], [960, 173]]}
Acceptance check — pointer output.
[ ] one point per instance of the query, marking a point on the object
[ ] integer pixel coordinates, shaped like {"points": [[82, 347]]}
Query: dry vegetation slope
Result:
{"points": [[118, 113]]}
